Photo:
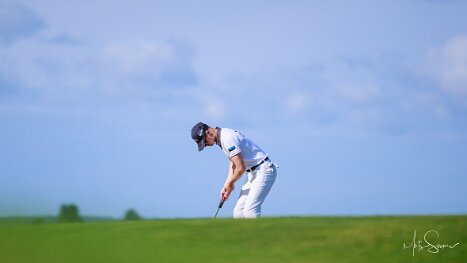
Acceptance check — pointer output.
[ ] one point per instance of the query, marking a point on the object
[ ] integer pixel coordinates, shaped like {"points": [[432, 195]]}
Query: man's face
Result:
{"points": [[210, 137]]}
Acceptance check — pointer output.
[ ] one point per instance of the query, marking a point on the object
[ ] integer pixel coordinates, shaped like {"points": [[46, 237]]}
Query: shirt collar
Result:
{"points": [[218, 140]]}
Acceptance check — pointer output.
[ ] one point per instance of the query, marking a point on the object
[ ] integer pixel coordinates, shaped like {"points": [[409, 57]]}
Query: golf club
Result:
{"points": [[221, 203]]}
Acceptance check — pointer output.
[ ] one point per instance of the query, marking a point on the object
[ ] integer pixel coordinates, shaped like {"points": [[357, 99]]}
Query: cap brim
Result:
{"points": [[201, 145]]}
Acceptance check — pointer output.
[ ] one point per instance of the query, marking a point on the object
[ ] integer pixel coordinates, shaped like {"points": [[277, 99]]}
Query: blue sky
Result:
{"points": [[363, 104]]}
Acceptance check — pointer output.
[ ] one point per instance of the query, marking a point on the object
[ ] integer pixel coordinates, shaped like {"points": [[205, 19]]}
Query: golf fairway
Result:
{"points": [[297, 239]]}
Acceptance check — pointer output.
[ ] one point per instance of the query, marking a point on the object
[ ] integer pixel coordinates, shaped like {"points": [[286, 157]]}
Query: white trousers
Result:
{"points": [[255, 190]]}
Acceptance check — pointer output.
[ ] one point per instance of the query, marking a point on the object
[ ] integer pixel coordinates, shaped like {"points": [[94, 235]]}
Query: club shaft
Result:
{"points": [[221, 203]]}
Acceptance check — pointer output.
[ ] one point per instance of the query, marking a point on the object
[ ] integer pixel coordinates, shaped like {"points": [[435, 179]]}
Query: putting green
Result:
{"points": [[302, 239]]}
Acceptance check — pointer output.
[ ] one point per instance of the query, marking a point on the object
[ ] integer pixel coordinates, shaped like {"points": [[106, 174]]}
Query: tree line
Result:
{"points": [[69, 213]]}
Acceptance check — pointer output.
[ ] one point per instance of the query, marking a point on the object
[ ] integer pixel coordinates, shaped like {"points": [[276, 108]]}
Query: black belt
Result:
{"points": [[256, 166]]}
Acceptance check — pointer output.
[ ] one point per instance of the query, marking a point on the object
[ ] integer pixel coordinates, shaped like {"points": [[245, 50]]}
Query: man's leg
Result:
{"points": [[238, 210], [261, 184]]}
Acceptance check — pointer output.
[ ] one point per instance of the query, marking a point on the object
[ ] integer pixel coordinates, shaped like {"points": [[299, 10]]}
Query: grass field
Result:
{"points": [[302, 239]]}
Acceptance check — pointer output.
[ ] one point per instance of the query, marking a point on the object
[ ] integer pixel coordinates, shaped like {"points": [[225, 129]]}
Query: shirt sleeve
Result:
{"points": [[233, 146]]}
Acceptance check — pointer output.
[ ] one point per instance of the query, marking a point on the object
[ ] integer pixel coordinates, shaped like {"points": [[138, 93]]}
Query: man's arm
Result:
{"points": [[236, 170]]}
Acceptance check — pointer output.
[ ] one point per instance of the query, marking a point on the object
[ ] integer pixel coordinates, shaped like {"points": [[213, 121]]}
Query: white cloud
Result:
{"points": [[144, 66], [364, 116], [358, 92], [355, 83], [214, 108], [448, 65], [139, 57], [442, 113], [297, 102]]}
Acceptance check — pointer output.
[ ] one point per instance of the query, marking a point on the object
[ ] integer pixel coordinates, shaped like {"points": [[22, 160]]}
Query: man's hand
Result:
{"points": [[236, 169], [227, 190]]}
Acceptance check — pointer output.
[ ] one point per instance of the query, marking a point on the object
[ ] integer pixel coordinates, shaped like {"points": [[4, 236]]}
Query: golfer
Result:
{"points": [[244, 155]]}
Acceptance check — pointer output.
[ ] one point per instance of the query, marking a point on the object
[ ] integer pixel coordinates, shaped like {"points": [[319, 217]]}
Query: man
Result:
{"points": [[244, 155]]}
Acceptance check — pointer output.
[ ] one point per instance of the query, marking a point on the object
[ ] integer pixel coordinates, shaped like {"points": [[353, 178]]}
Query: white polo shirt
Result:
{"points": [[233, 142]]}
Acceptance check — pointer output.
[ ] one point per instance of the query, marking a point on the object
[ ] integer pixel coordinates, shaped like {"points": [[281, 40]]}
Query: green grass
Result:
{"points": [[303, 239]]}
